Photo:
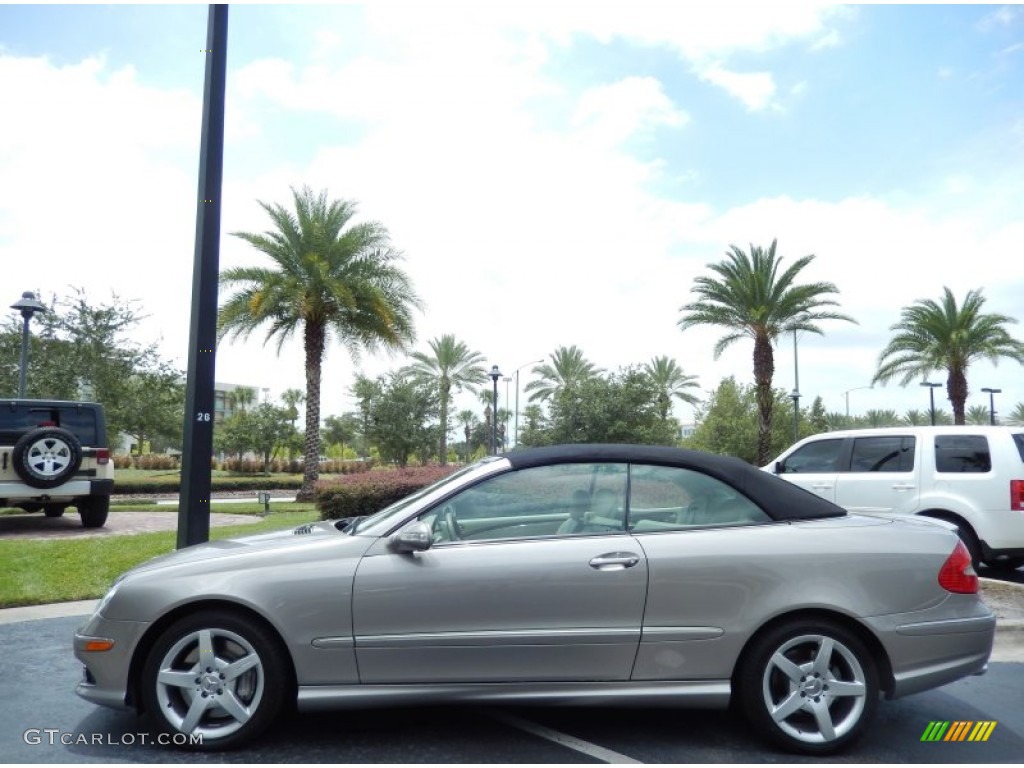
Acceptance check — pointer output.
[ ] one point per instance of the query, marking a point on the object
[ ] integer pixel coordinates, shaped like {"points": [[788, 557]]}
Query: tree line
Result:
{"points": [[332, 278]]}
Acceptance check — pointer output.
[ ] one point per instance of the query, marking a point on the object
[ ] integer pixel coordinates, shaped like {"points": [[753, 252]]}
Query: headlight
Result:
{"points": [[105, 600]]}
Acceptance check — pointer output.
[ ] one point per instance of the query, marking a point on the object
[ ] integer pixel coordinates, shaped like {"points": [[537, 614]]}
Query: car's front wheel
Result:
{"points": [[215, 680], [810, 686]]}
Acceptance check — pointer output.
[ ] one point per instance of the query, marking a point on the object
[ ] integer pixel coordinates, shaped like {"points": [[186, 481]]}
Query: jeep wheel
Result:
{"points": [[54, 510], [93, 511], [47, 457]]}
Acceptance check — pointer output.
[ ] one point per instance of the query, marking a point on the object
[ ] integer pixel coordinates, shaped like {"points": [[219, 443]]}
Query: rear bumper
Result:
{"points": [[929, 654], [73, 489]]}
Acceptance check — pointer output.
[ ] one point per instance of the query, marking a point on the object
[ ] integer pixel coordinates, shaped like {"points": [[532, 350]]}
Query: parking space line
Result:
{"points": [[563, 739]]}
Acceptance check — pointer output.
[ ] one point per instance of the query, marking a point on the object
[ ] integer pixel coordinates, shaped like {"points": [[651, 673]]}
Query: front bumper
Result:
{"points": [[105, 679]]}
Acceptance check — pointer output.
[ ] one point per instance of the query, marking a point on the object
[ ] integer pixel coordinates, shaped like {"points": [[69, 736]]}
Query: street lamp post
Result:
{"points": [[28, 306], [931, 397], [495, 375], [795, 397], [532, 362], [504, 437], [991, 403], [846, 394]]}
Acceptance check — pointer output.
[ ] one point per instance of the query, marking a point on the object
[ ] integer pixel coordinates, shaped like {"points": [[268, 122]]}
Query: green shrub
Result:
{"points": [[365, 493]]}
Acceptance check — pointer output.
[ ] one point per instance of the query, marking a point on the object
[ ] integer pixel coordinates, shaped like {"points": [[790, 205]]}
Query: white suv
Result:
{"points": [[970, 476], [54, 454]]}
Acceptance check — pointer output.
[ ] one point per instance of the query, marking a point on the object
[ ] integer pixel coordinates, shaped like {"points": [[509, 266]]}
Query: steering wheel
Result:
{"points": [[454, 529]]}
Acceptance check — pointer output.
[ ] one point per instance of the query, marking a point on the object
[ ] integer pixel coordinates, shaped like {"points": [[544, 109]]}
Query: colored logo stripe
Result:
{"points": [[958, 730], [935, 731]]}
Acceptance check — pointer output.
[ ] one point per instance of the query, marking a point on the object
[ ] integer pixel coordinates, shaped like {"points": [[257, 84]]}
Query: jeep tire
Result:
{"points": [[93, 510], [47, 457]]}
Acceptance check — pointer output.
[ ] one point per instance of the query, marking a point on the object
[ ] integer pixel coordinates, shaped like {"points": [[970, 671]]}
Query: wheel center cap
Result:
{"points": [[210, 683], [812, 687]]}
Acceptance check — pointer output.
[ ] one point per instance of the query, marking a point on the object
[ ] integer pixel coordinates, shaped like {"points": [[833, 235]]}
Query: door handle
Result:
{"points": [[615, 561], [821, 486], [903, 486]]}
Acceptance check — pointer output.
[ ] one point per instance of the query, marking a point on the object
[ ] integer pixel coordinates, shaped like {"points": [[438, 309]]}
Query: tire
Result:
{"points": [[93, 511], [54, 510], [228, 700], [809, 685], [47, 457]]}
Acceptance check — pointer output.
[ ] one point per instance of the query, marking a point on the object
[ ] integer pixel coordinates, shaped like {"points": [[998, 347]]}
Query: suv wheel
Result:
{"points": [[54, 510], [47, 457], [93, 510]]}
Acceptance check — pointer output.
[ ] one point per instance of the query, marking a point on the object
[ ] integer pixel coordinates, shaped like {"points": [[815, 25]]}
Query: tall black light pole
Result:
{"points": [[991, 403], [495, 375], [28, 305], [197, 448], [795, 397], [931, 397]]}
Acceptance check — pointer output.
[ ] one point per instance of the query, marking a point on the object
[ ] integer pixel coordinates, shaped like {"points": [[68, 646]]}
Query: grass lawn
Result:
{"points": [[56, 570]]}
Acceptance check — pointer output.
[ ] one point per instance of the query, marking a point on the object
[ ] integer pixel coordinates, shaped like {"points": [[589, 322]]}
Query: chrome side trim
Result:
{"points": [[333, 643], [702, 694], [679, 634], [608, 636], [949, 626]]}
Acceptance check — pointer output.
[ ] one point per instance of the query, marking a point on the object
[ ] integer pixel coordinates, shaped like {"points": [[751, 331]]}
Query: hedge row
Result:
{"points": [[370, 492], [173, 484], [245, 466]]}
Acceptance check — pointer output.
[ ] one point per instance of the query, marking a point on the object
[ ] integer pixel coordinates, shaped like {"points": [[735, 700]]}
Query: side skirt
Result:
{"points": [[704, 694]]}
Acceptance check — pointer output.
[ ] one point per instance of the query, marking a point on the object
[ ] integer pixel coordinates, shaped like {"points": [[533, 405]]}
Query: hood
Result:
{"points": [[289, 539]]}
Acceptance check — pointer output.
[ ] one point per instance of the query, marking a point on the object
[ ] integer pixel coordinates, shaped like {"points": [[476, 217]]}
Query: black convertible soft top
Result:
{"points": [[779, 499]]}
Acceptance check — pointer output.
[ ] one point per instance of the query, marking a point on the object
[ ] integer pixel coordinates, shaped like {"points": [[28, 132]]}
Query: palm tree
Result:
{"points": [[940, 336], [881, 418], [568, 368], [467, 419], [451, 364], [241, 398], [292, 399], [977, 414], [751, 299], [670, 382], [915, 418], [1016, 417], [330, 275]]}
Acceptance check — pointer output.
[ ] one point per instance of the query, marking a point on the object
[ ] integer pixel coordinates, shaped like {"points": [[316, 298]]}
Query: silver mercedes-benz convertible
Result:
{"points": [[583, 574]]}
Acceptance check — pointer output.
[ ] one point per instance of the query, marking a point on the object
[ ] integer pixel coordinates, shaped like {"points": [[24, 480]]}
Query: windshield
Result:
{"points": [[401, 504]]}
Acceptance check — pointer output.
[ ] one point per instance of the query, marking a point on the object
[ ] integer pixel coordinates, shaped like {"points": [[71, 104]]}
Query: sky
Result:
{"points": [[555, 173]]}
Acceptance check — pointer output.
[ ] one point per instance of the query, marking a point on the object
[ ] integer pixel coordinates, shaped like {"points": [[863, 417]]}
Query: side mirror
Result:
{"points": [[780, 467], [413, 538]]}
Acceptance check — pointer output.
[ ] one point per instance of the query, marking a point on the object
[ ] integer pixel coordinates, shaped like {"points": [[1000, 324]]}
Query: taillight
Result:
{"points": [[102, 455], [1017, 495], [957, 574]]}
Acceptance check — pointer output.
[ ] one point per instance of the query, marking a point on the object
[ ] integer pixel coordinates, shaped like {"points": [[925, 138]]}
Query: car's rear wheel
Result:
{"points": [[47, 457], [54, 510], [809, 685], [218, 678], [94, 511]]}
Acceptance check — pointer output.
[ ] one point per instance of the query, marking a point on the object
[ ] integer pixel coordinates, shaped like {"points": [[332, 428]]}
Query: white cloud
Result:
{"points": [[754, 89], [614, 113]]}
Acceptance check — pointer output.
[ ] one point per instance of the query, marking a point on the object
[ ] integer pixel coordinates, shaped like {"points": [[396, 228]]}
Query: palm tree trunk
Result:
{"points": [[314, 344], [764, 371], [956, 391], [445, 388]]}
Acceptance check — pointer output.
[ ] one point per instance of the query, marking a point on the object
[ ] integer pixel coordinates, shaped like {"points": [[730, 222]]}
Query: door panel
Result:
{"points": [[534, 609]]}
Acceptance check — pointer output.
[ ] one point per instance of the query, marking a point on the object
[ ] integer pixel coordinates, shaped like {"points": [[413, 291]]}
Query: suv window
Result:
{"points": [[81, 422], [819, 456], [962, 453], [1018, 440], [882, 454]]}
